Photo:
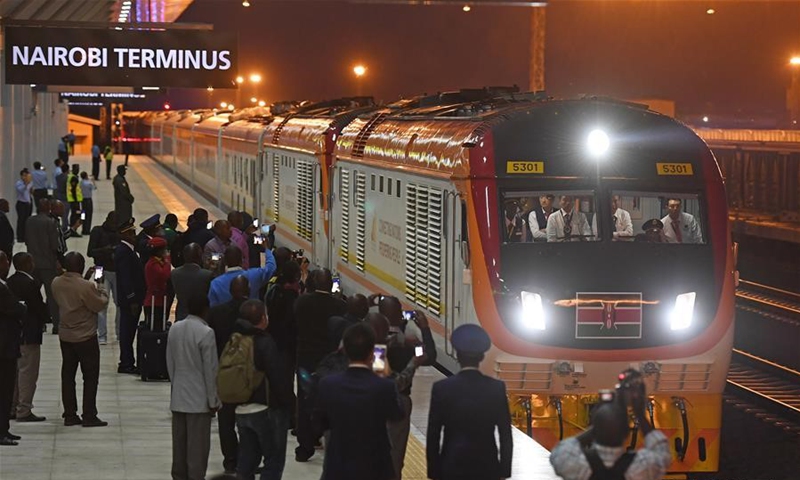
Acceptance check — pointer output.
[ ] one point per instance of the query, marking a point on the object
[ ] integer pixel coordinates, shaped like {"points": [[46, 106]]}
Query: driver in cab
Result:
{"points": [[568, 225]]}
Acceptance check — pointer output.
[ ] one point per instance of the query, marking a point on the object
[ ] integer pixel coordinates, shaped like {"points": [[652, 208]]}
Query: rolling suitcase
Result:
{"points": [[152, 346]]}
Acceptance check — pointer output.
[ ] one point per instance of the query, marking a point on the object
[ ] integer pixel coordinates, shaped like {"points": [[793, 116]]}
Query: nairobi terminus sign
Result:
{"points": [[107, 57]]}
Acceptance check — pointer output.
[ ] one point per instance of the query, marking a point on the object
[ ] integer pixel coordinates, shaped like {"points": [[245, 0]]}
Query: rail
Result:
{"points": [[766, 295], [711, 135], [770, 385]]}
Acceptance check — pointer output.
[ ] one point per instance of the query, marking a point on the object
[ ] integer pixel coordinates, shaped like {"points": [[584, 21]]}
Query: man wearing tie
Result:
{"points": [[679, 226], [622, 220], [567, 225]]}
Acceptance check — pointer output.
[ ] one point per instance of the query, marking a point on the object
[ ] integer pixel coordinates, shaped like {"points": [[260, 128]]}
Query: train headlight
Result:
{"points": [[598, 142], [681, 317], [532, 311]]}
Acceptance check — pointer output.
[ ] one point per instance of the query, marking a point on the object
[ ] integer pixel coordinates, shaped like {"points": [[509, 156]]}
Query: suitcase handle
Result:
{"points": [[153, 314]]}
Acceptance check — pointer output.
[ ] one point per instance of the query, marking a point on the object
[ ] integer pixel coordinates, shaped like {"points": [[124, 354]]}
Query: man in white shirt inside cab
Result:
{"points": [[568, 225], [679, 226]]}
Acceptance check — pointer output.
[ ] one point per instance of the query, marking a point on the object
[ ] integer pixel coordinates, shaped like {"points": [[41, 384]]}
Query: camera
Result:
{"points": [[630, 379], [336, 288], [216, 257]]}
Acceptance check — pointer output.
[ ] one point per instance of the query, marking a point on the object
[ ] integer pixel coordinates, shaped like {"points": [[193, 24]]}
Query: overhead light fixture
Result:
{"points": [[466, 8], [125, 8], [711, 11], [126, 3], [121, 20], [151, 88], [245, 3]]}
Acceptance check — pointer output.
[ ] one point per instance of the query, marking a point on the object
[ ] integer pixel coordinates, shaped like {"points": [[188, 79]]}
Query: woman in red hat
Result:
{"points": [[156, 273]]}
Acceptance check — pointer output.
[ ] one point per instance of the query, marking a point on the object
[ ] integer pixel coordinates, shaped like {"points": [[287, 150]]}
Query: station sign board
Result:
{"points": [[109, 57]]}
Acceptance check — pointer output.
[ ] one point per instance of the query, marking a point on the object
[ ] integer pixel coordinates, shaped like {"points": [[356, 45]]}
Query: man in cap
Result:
{"points": [[654, 231], [151, 228], [468, 406], [123, 200], [130, 294]]}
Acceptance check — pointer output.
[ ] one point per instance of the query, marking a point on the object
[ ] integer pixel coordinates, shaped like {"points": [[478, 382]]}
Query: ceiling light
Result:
{"points": [[466, 8], [126, 3], [245, 3], [125, 8], [711, 11]]}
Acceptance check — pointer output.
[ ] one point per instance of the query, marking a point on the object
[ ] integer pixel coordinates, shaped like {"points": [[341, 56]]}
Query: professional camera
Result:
{"points": [[630, 381], [298, 253]]}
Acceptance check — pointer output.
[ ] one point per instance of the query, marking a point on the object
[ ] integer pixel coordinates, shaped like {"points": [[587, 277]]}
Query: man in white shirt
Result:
{"points": [[679, 226], [567, 225], [537, 218], [623, 227]]}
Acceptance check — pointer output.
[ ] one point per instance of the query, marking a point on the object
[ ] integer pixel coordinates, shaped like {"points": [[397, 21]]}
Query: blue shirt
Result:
{"points": [[56, 174], [39, 179], [220, 291], [87, 187], [23, 191], [95, 151], [62, 147]]}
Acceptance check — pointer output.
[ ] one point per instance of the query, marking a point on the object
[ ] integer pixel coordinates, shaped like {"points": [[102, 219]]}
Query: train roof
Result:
{"points": [[422, 134]]}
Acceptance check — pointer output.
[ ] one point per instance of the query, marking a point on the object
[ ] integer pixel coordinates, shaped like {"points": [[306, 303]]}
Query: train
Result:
{"points": [[433, 199]]}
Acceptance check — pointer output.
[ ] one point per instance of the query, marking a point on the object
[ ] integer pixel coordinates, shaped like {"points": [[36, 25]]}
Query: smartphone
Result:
{"points": [[209, 225], [379, 362], [265, 229], [98, 273], [255, 222], [215, 257], [418, 352], [337, 285], [409, 315], [258, 240], [83, 215]]}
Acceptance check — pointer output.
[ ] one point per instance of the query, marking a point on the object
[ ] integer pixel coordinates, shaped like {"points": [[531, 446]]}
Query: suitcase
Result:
{"points": [[152, 347]]}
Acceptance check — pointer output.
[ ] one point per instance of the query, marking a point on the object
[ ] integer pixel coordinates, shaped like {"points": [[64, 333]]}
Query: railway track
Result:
{"points": [[764, 298], [766, 390]]}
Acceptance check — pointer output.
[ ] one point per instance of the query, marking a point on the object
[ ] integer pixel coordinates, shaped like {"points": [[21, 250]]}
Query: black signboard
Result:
{"points": [[109, 57]]}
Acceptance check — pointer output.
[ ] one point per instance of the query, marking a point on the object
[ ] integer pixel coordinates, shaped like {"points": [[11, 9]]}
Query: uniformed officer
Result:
{"points": [[654, 231], [468, 406], [123, 200], [150, 228]]}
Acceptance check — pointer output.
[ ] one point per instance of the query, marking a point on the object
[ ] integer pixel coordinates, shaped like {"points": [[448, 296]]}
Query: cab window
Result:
{"points": [[548, 216], [657, 217]]}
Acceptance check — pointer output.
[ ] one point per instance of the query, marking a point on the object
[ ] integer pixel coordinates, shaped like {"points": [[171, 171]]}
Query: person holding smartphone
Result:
{"points": [[405, 336]]}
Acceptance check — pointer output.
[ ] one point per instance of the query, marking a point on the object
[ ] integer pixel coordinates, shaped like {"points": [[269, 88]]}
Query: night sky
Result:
{"points": [[732, 62]]}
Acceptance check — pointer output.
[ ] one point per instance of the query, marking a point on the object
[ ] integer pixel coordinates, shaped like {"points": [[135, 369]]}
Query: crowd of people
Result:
{"points": [[259, 341]]}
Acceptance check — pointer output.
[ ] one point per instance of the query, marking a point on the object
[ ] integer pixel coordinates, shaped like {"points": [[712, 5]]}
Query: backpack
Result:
{"points": [[238, 377], [601, 472]]}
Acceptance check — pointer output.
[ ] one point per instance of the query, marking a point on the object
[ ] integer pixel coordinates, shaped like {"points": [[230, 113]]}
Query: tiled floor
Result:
{"points": [[137, 443]]}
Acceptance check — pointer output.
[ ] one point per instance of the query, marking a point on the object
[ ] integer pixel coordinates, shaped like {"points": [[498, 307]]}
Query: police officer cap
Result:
{"points": [[151, 222], [653, 224], [471, 339], [128, 225]]}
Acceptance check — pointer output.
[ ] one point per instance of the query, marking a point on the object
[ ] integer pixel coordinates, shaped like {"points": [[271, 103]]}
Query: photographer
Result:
{"points": [[600, 452]]}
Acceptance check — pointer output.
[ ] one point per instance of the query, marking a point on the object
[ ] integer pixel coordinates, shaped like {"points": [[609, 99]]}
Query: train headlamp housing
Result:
{"points": [[597, 142], [532, 311], [681, 317]]}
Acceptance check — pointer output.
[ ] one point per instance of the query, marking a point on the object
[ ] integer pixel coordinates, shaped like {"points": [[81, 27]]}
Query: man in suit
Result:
{"points": [[29, 290], [123, 200], [355, 406], [192, 365], [12, 312], [311, 311], [537, 218], [102, 243], [189, 277], [79, 301], [468, 407], [130, 294], [679, 226], [6, 230], [222, 319], [43, 240]]}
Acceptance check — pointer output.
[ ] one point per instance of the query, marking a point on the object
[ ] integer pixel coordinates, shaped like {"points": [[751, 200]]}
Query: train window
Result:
{"points": [[398, 189], [380, 184], [552, 216], [372, 182], [389, 186], [656, 217]]}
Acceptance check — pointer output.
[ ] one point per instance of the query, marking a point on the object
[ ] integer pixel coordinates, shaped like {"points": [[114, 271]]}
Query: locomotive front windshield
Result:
{"points": [[572, 216]]}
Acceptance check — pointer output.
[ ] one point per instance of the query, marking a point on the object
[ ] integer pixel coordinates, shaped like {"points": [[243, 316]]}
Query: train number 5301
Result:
{"points": [[525, 167], [674, 168]]}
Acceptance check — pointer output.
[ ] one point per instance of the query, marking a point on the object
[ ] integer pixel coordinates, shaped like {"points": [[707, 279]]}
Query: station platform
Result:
{"points": [[137, 444]]}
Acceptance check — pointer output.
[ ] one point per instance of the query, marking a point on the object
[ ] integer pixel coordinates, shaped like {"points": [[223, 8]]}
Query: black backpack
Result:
{"points": [[599, 470]]}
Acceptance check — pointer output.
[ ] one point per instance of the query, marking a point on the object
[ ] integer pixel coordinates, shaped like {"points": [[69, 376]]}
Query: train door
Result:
{"points": [[457, 285], [320, 241]]}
